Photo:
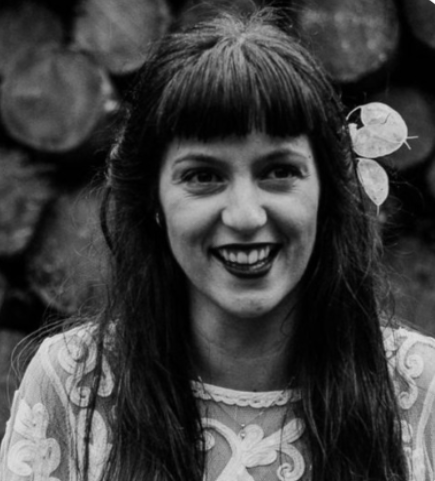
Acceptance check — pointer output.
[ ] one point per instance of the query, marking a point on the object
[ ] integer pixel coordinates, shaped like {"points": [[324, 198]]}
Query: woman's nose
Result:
{"points": [[244, 210]]}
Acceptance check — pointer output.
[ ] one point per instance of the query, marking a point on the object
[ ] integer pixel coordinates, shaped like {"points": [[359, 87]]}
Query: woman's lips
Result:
{"points": [[247, 260]]}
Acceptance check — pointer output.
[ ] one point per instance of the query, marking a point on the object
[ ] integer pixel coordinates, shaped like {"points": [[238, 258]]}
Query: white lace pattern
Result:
{"points": [[250, 437], [257, 400]]}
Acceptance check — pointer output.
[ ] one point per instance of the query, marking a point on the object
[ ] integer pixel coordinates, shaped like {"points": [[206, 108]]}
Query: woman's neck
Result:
{"points": [[243, 354]]}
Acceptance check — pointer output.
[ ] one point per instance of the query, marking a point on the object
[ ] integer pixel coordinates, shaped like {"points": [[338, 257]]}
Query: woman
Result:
{"points": [[242, 338]]}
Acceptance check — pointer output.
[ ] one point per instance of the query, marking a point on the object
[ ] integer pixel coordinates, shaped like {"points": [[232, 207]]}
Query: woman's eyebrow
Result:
{"points": [[284, 152], [199, 157], [276, 154]]}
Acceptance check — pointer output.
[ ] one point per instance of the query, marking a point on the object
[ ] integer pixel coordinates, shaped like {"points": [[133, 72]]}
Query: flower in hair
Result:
{"points": [[376, 130]]}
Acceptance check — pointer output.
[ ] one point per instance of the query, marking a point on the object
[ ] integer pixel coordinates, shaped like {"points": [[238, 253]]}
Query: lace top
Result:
{"points": [[248, 436]]}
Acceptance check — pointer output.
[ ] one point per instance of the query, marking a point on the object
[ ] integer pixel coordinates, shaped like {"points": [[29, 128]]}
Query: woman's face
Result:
{"points": [[241, 218]]}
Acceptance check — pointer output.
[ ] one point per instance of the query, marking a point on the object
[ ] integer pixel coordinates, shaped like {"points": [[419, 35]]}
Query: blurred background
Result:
{"points": [[64, 68]]}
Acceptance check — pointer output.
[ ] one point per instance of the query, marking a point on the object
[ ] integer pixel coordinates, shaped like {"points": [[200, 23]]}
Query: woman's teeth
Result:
{"points": [[249, 257]]}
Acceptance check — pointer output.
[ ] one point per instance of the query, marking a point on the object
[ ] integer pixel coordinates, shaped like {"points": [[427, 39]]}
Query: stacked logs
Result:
{"points": [[61, 77], [64, 66]]}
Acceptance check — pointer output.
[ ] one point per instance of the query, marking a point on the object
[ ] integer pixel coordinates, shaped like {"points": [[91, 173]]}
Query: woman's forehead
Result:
{"points": [[254, 147]]}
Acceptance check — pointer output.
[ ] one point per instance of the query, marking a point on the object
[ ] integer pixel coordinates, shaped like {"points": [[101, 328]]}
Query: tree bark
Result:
{"points": [[417, 108], [118, 32], [23, 27], [25, 191], [420, 15], [66, 267], [54, 98], [352, 38]]}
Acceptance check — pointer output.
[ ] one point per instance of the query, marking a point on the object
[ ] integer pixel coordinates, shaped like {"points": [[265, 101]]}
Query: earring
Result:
{"points": [[158, 219]]}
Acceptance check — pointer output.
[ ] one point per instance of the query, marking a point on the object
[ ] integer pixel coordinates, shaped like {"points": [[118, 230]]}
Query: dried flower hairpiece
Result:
{"points": [[379, 131]]}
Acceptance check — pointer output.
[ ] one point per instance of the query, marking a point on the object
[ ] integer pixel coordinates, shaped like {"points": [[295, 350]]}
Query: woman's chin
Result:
{"points": [[252, 308]]}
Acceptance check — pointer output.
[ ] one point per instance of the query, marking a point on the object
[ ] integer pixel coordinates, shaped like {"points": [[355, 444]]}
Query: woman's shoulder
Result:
{"points": [[85, 332], [77, 344], [67, 360], [66, 349], [406, 335], [50, 409], [411, 361]]}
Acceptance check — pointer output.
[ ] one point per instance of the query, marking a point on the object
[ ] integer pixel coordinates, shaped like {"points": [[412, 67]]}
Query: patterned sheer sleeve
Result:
{"points": [[44, 436], [412, 364]]}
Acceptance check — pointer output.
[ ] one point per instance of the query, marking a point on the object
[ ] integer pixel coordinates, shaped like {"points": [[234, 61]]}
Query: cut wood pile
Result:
{"points": [[64, 66]]}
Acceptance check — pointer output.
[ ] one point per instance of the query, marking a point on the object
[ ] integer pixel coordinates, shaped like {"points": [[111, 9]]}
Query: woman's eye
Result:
{"points": [[201, 177], [281, 172], [280, 178], [202, 181]]}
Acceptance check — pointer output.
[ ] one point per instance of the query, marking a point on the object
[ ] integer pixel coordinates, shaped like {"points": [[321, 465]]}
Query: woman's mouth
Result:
{"points": [[251, 260]]}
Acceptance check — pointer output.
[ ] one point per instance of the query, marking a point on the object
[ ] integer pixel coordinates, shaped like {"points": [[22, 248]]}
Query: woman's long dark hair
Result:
{"points": [[230, 76]]}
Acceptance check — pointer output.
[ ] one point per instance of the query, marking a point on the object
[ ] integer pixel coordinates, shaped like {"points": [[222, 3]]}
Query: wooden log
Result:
{"points": [[118, 32], [417, 107], [66, 266], [25, 26], [420, 16], [352, 38], [412, 264], [25, 191], [54, 98]]}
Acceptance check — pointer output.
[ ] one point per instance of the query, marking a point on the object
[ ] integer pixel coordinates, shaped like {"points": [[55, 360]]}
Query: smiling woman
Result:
{"points": [[244, 336], [241, 218]]}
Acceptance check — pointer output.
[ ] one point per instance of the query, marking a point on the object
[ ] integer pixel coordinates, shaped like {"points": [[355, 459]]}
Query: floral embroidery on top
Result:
{"points": [[409, 366], [255, 450], [289, 472], [77, 357], [390, 345], [35, 455], [28, 454], [99, 446]]}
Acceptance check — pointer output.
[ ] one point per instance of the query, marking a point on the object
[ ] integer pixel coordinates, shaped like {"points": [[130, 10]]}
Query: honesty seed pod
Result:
{"points": [[380, 131], [374, 179]]}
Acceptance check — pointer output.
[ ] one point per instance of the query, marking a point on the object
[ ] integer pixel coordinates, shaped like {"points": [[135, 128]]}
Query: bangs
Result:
{"points": [[236, 86]]}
